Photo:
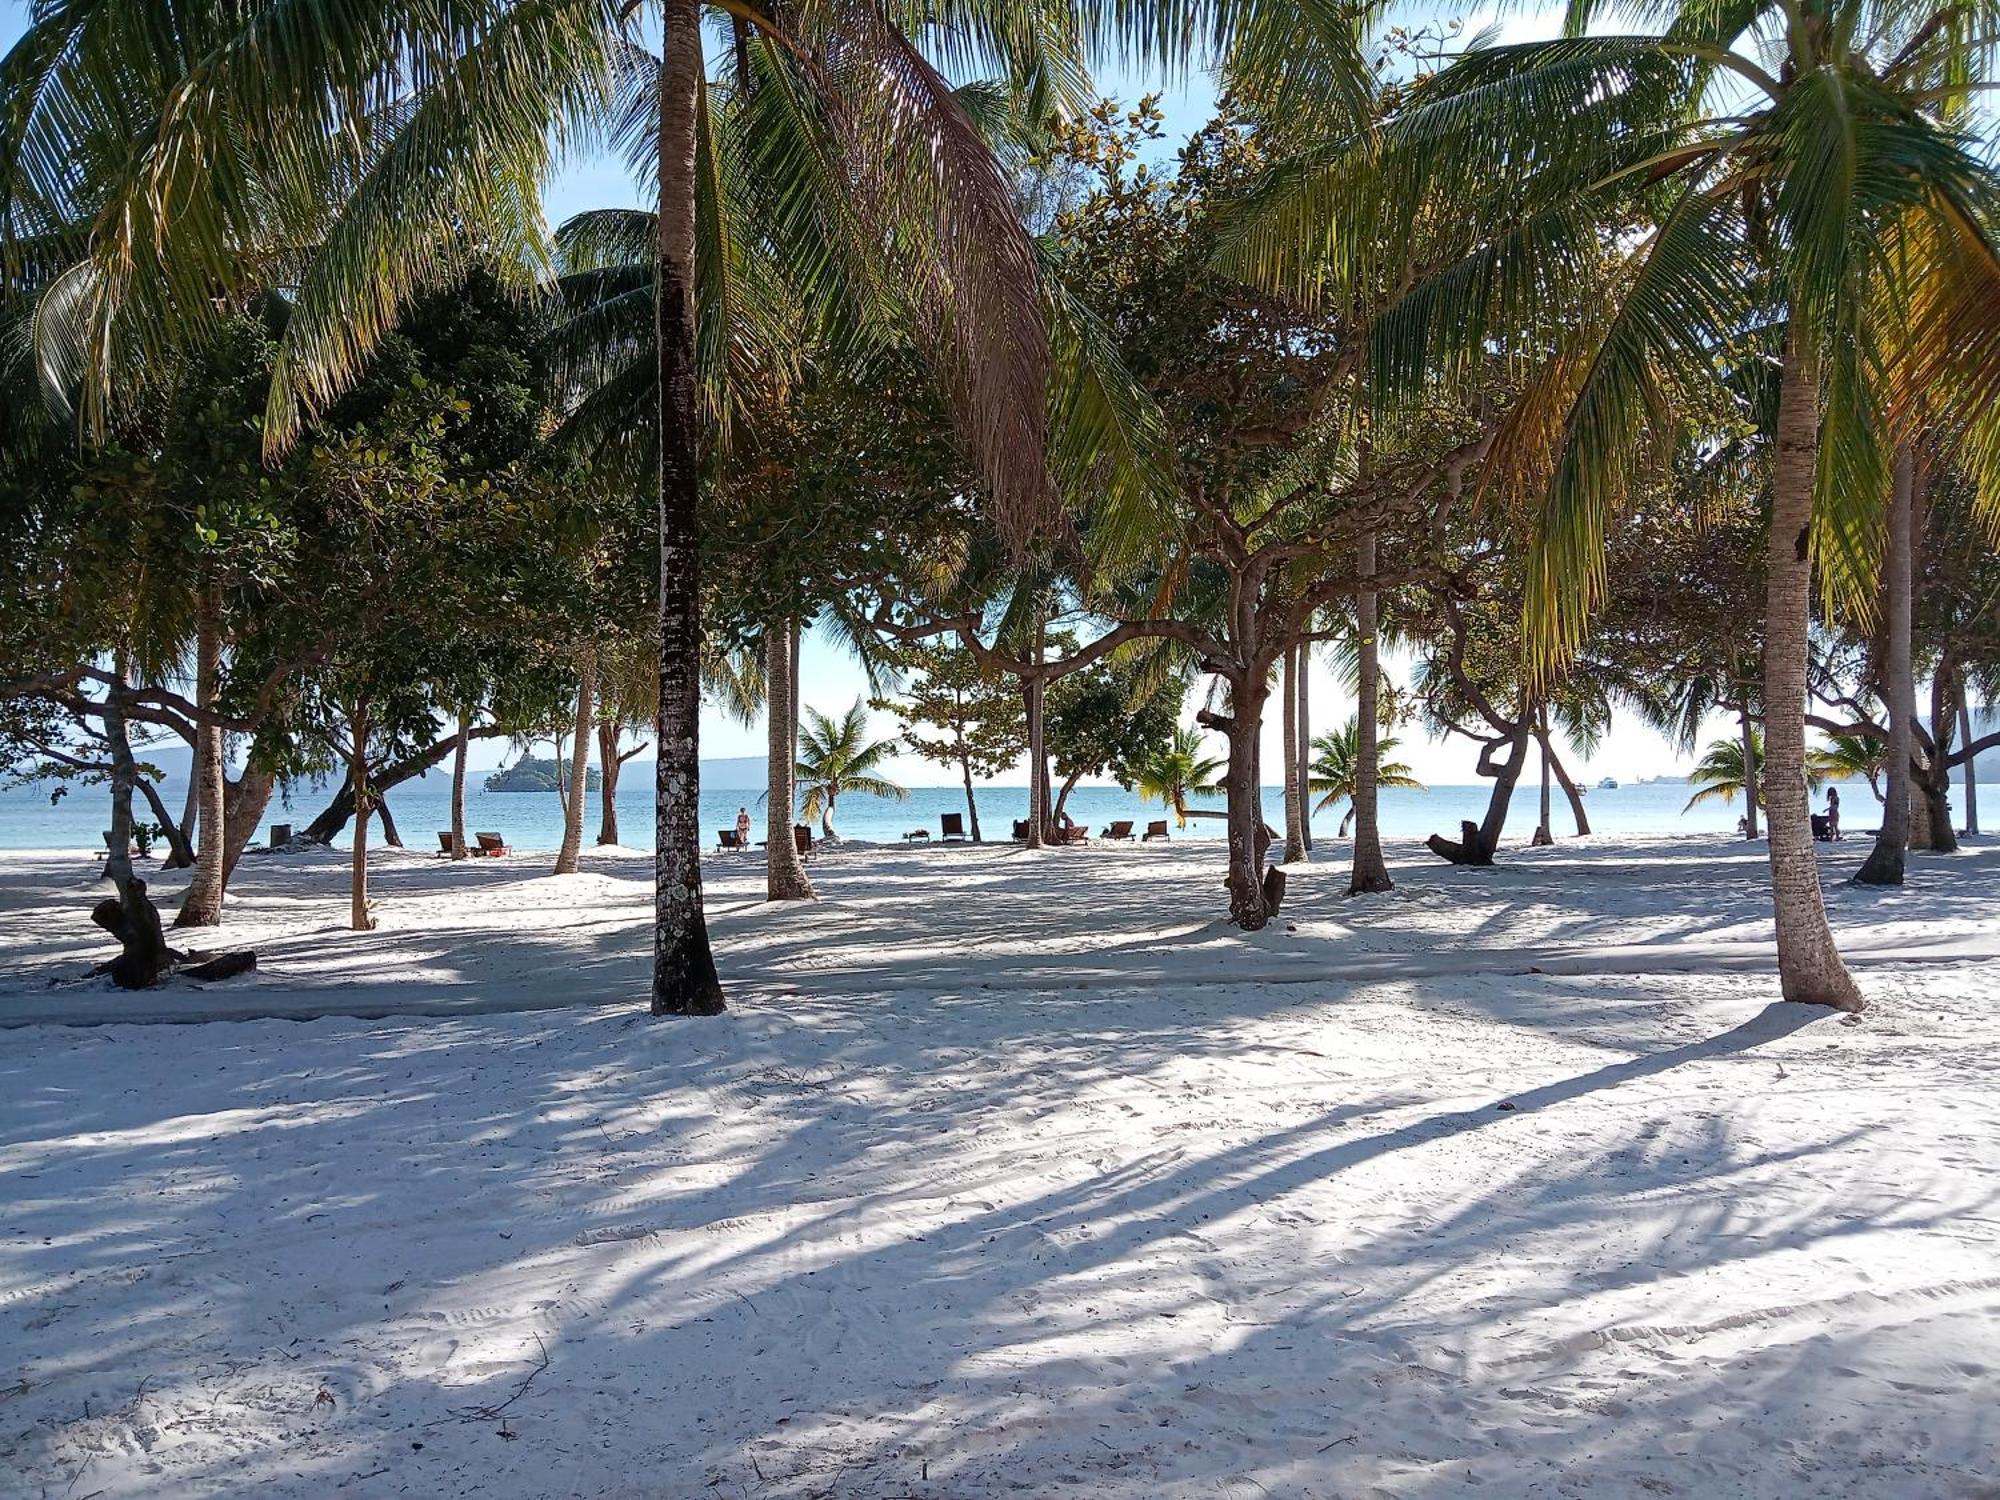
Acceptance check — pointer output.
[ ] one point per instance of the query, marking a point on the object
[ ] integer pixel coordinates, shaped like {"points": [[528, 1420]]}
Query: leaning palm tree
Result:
{"points": [[1336, 768], [1719, 773], [1805, 194], [838, 758], [1177, 771]]}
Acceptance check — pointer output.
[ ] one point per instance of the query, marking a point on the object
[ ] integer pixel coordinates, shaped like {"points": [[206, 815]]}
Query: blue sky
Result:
{"points": [[832, 679]]}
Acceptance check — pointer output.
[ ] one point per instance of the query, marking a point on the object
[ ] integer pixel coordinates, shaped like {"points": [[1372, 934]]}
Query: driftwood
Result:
{"points": [[1469, 850], [146, 959]]}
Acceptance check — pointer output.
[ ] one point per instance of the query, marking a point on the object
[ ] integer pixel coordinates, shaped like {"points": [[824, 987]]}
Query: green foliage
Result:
{"points": [[836, 758], [979, 714], [1336, 757], [1177, 771], [1111, 718]]}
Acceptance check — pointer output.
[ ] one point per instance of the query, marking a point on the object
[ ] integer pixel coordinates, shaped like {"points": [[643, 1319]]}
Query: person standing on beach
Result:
{"points": [[743, 828], [1833, 812]]}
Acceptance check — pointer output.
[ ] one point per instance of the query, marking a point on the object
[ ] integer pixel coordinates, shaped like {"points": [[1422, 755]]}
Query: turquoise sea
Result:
{"points": [[533, 820]]}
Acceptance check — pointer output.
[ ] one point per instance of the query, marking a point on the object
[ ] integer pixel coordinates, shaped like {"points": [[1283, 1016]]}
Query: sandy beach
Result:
{"points": [[1009, 1174]]}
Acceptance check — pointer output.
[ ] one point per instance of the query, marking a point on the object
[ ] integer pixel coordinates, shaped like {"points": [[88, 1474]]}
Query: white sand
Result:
{"points": [[1011, 1174]]}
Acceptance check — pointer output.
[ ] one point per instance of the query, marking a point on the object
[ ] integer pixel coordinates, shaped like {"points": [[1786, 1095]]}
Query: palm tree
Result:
{"points": [[279, 159], [1812, 202], [835, 759], [1337, 768], [1719, 772], [1179, 770]]}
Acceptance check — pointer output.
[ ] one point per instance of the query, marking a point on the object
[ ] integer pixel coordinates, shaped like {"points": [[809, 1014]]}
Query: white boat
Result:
{"points": [[1607, 785]]}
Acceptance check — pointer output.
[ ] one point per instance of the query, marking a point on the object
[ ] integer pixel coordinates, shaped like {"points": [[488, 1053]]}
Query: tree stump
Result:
{"points": [[1469, 850]]}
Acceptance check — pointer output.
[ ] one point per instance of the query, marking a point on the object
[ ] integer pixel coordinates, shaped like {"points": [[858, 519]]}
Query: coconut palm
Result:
{"points": [[1719, 772], [1336, 768], [1177, 771], [836, 759], [1812, 203]]}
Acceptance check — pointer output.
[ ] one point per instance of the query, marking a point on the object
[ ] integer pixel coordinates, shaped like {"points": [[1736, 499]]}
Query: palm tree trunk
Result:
{"points": [[684, 978], [189, 828], [1809, 966], [1971, 760], [357, 771], [1249, 907], [1751, 770], [1570, 790], [826, 816], [202, 905], [1295, 833], [1038, 770], [1884, 865], [1304, 755], [1544, 836], [570, 855], [1370, 872], [1934, 780], [609, 764], [785, 877], [458, 759]]}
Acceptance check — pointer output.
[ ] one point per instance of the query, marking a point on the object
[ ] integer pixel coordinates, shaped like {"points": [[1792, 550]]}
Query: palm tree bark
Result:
{"points": [[785, 877], [1884, 865], [684, 977], [1544, 836], [458, 758], [1971, 760], [1304, 756], [609, 764], [571, 854], [1250, 905], [1571, 791], [1752, 772], [1295, 835], [357, 770], [1370, 872], [1809, 966], [202, 905]]}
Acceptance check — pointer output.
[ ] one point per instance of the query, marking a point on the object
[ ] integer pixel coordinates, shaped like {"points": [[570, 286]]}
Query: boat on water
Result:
{"points": [[1607, 785]]}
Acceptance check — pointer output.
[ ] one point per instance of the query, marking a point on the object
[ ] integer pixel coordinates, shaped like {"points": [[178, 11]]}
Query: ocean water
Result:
{"points": [[533, 820]]}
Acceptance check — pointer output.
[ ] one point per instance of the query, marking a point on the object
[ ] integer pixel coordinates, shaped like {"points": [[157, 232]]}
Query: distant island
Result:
{"points": [[531, 775]]}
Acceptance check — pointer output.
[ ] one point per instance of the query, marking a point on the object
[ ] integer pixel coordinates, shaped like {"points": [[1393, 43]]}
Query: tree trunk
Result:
{"points": [[390, 835], [202, 905], [570, 856], [458, 757], [1935, 782], [1295, 831], [1809, 966], [609, 764], [357, 771], [1038, 770], [131, 916], [1884, 865], [179, 855], [1751, 770], [684, 977], [1571, 791], [326, 827], [189, 827], [1971, 760], [243, 804], [1305, 746], [785, 877], [971, 802], [1250, 901], [1062, 797], [1478, 841], [1543, 834], [826, 816], [1371, 871]]}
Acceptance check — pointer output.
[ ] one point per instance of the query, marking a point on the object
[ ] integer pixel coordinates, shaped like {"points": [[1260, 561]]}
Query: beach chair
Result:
{"points": [[951, 826], [802, 840], [1119, 830], [1020, 830], [1157, 829], [917, 835], [444, 844], [491, 845], [1076, 833], [730, 839]]}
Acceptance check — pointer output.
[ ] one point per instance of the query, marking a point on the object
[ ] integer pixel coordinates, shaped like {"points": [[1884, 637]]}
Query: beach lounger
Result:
{"points": [[951, 826], [1119, 830], [802, 840], [491, 845], [730, 839], [1822, 828], [1157, 829], [917, 833], [1020, 830], [444, 845]]}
